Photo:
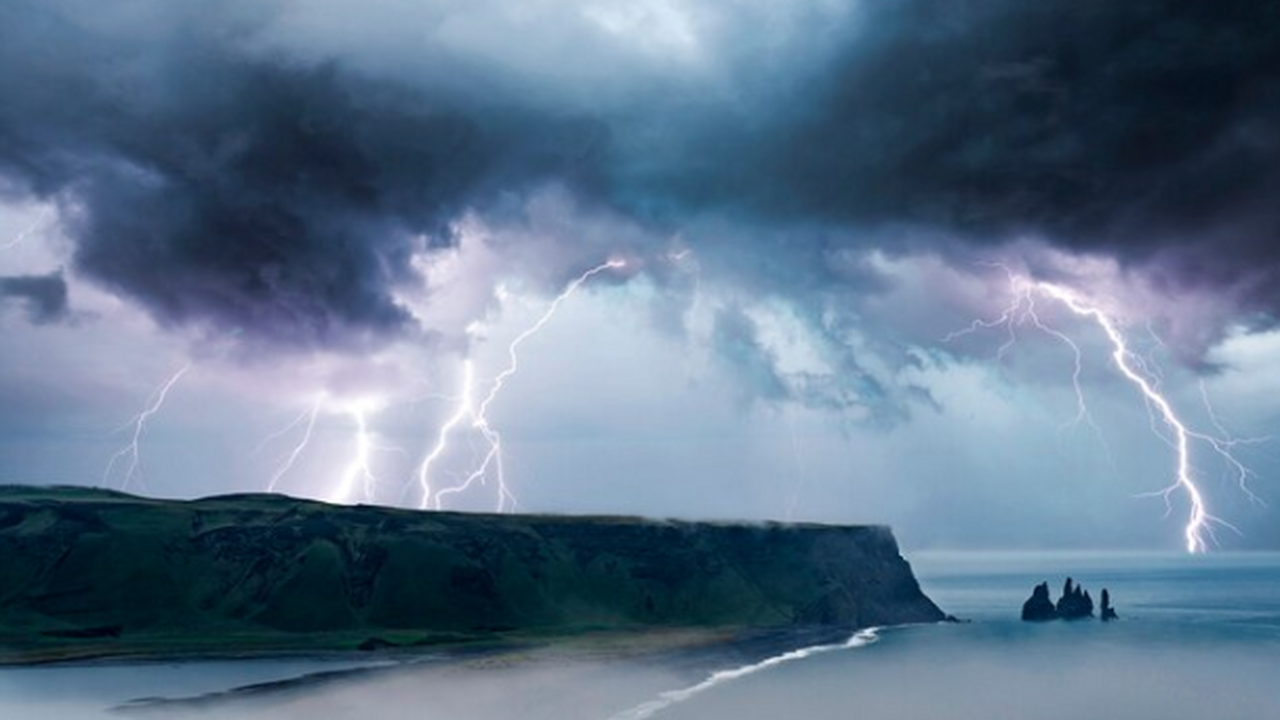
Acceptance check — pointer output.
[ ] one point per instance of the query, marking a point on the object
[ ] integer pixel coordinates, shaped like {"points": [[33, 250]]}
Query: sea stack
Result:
{"points": [[1108, 613], [1075, 604], [1039, 607]]}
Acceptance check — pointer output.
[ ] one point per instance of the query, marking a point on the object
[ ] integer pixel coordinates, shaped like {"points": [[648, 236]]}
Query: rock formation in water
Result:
{"points": [[260, 572], [1075, 604], [1039, 607], [1108, 613]]}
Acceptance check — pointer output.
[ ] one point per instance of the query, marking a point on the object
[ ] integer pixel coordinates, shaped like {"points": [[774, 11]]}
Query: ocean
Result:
{"points": [[1198, 637]]}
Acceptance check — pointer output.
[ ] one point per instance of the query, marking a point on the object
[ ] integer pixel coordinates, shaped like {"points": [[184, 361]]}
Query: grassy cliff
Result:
{"points": [[88, 572]]}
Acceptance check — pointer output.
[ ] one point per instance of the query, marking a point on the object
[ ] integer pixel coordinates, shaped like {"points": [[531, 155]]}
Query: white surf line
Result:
{"points": [[673, 697]]}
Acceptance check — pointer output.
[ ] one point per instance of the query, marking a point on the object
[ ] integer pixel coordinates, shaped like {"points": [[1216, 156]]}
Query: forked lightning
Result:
{"points": [[1200, 524], [467, 410]]}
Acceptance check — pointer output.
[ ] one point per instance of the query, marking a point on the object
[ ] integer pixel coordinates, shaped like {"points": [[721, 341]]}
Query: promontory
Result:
{"points": [[93, 573]]}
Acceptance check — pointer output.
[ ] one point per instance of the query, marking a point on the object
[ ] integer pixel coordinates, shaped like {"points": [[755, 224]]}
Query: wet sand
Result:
{"points": [[598, 675]]}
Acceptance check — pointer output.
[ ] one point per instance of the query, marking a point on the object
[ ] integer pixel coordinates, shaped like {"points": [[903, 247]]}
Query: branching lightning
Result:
{"points": [[358, 473], [1140, 372], [467, 410], [360, 470], [358, 479], [287, 464], [1225, 441], [137, 426]]}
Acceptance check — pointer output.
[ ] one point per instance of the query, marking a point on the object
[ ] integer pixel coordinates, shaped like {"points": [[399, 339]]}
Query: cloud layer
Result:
{"points": [[271, 170], [44, 297]]}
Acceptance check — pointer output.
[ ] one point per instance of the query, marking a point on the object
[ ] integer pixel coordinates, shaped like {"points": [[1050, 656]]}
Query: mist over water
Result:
{"points": [[963, 673], [1198, 638]]}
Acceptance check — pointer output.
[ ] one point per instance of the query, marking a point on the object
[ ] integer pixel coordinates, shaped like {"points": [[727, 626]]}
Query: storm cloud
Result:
{"points": [[278, 183], [44, 297], [259, 196], [1146, 131]]}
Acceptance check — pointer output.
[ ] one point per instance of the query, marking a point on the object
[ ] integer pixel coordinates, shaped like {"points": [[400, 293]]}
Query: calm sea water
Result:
{"points": [[1198, 638]]}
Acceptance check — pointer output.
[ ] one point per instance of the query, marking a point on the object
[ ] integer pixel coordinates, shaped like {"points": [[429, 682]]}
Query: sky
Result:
{"points": [[822, 260]]}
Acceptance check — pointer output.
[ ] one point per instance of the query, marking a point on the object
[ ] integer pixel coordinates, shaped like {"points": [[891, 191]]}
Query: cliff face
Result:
{"points": [[78, 564]]}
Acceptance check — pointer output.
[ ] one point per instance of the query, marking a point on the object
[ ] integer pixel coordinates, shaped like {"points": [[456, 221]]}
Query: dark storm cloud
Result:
{"points": [[1146, 130], [737, 343], [222, 183], [43, 296], [257, 195]]}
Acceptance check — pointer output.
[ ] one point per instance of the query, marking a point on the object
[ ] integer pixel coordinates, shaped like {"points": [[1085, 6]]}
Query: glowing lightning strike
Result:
{"points": [[478, 414], [1200, 523], [1225, 441], [360, 470], [465, 409], [358, 473], [132, 450], [292, 458]]}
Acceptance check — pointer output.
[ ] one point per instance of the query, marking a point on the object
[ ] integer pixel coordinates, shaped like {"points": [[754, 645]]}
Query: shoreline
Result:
{"points": [[701, 654], [619, 642], [691, 655], [144, 652]]}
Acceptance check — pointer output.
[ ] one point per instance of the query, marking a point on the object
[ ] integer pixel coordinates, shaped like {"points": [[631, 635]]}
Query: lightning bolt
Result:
{"points": [[132, 450], [464, 410], [360, 469], [468, 410], [1200, 523], [1227, 441], [358, 473], [309, 417], [26, 233]]}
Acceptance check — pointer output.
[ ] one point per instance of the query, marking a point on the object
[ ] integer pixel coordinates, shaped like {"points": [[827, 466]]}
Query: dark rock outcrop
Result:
{"points": [[1039, 607], [1108, 613], [293, 573], [1075, 604]]}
